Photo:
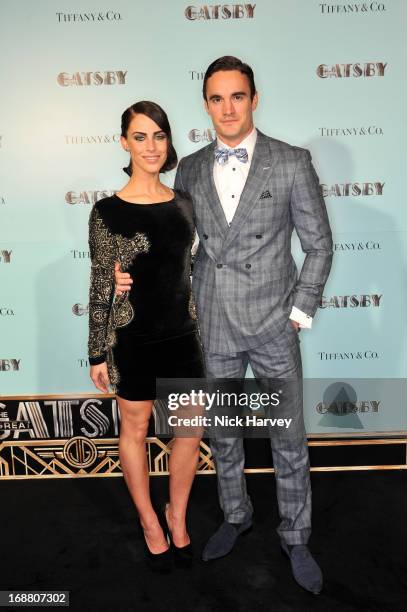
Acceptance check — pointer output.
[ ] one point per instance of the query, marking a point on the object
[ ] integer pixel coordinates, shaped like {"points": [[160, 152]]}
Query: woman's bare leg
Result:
{"points": [[133, 459], [183, 463]]}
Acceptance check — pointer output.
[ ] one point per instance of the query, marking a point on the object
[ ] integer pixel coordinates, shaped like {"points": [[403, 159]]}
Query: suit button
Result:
{"points": [[259, 236], [248, 266], [206, 236], [219, 266]]}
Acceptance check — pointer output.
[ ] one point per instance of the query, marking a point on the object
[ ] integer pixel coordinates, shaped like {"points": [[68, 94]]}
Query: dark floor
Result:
{"points": [[81, 535]]}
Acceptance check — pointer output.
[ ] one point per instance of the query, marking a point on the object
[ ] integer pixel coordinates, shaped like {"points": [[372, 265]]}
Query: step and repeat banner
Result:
{"points": [[330, 78]]}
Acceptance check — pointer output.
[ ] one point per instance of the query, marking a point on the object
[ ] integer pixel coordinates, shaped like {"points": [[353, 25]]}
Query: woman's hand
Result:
{"points": [[100, 376], [123, 280]]}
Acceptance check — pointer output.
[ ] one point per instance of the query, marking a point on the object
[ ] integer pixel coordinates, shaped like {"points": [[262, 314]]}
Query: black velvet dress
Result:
{"points": [[150, 331]]}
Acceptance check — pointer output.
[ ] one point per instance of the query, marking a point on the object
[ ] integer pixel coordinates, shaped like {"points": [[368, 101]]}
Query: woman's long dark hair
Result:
{"points": [[156, 113]]}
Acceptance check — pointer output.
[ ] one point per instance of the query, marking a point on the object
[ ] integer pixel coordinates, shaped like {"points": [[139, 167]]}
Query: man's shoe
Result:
{"points": [[306, 570], [223, 540]]}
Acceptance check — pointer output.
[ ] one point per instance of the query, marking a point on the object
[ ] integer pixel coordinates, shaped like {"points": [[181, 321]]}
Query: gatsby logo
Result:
{"points": [[347, 356], [80, 452], [368, 69], [7, 365], [348, 407], [352, 189], [87, 17], [79, 310], [109, 77], [371, 130], [207, 135], [62, 418], [341, 247], [105, 139], [86, 197], [351, 301], [356, 7], [5, 256], [220, 11], [6, 312]]}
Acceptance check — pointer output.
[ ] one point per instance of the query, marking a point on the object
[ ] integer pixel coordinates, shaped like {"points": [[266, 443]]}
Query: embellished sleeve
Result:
{"points": [[102, 248]]}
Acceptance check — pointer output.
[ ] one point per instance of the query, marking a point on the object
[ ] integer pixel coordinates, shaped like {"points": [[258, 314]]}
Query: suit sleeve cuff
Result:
{"points": [[301, 318]]}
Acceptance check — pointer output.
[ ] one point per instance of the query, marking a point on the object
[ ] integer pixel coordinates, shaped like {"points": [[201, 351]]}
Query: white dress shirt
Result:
{"points": [[230, 179]]}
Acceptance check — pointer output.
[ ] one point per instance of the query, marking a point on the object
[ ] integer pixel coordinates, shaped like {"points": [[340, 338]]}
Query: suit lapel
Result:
{"points": [[261, 168], [209, 188]]}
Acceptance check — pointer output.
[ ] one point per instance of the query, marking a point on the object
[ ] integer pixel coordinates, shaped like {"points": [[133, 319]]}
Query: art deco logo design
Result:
{"points": [[88, 17], [5, 256], [71, 139], [108, 77], [368, 69], [327, 8], [80, 452], [346, 356], [352, 247], [371, 130], [206, 135], [6, 312], [352, 189], [9, 365], [51, 437], [87, 197], [351, 301], [220, 11], [79, 310]]}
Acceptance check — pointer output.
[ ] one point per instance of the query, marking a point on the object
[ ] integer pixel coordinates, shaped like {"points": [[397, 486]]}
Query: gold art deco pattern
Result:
{"points": [[104, 318], [81, 456], [84, 457]]}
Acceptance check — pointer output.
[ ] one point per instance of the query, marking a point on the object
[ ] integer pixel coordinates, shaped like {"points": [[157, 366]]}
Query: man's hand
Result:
{"points": [[100, 377], [296, 325], [123, 280]]}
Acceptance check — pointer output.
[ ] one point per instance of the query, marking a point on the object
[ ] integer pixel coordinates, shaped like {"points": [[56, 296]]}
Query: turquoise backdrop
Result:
{"points": [[330, 78]]}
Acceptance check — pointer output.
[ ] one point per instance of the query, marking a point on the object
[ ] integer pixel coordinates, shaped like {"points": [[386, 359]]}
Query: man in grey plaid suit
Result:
{"points": [[249, 192]]}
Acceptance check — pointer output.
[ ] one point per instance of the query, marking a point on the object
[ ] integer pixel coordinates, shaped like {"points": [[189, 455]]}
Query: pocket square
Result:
{"points": [[265, 194]]}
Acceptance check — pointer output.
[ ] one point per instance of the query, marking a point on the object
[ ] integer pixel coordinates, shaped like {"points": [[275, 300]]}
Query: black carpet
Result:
{"points": [[81, 535]]}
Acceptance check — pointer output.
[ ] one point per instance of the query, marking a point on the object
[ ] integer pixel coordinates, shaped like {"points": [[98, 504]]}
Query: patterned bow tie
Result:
{"points": [[222, 155]]}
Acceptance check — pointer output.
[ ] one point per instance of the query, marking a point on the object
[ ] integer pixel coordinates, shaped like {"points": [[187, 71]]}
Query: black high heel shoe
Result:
{"points": [[183, 555], [158, 562]]}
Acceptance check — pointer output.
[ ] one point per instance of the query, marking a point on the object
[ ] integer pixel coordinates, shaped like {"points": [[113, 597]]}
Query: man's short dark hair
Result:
{"points": [[228, 62]]}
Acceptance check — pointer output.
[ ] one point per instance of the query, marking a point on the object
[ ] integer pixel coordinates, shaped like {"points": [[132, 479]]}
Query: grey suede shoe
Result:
{"points": [[306, 570], [223, 540]]}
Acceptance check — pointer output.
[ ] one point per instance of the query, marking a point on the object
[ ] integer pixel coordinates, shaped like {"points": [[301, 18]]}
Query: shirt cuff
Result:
{"points": [[301, 317]]}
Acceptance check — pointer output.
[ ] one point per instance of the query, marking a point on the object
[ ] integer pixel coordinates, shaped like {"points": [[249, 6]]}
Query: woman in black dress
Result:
{"points": [[151, 330]]}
